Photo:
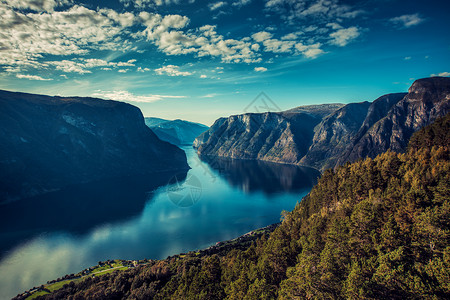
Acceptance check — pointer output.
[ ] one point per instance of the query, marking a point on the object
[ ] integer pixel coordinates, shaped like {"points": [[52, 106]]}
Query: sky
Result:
{"points": [[201, 60]]}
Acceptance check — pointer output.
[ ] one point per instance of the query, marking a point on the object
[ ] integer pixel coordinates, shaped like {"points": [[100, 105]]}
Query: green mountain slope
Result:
{"points": [[375, 229]]}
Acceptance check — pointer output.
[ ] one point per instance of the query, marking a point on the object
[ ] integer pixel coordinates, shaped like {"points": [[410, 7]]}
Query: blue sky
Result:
{"points": [[200, 60]]}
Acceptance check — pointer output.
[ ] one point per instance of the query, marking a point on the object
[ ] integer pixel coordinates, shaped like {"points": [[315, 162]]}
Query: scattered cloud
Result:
{"points": [[443, 74], [35, 5], [261, 36], [203, 76], [344, 36], [210, 95], [319, 10], [129, 97], [33, 31], [152, 3], [81, 65], [260, 69], [171, 70], [240, 3], [310, 51], [28, 36], [407, 21], [142, 70], [217, 5], [407, 58], [31, 77]]}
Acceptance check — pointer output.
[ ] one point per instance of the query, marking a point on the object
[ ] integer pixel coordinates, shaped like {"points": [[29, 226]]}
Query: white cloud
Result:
{"points": [[81, 65], [152, 3], [123, 70], [344, 36], [407, 58], [443, 74], [203, 76], [407, 21], [142, 70], [309, 51], [260, 69], [35, 5], [26, 37], [210, 95], [240, 3], [319, 10], [217, 5], [171, 70], [202, 42], [129, 97], [290, 36], [261, 36], [31, 77], [277, 46]]}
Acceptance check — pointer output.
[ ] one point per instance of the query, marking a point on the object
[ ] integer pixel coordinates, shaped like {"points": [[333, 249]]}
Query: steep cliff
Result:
{"points": [[47, 143], [324, 136], [278, 137], [337, 132], [427, 99]]}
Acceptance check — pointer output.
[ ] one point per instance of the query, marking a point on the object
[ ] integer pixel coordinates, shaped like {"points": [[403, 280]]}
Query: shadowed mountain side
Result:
{"points": [[47, 143], [177, 132], [261, 176], [427, 99], [337, 132]]}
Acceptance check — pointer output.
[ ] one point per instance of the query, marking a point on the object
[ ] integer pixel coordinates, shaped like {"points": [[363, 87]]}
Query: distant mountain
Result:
{"points": [[47, 143], [326, 136], [177, 132]]}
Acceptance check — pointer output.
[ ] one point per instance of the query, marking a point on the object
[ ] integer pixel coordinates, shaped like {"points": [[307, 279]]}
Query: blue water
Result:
{"points": [[61, 233]]}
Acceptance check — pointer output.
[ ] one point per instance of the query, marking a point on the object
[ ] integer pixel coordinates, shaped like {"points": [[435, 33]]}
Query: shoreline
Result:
{"points": [[117, 265]]}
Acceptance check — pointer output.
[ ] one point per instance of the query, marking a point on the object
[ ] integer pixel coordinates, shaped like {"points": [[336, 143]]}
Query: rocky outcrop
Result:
{"points": [[278, 137], [47, 143], [338, 131], [177, 132], [325, 137], [427, 99]]}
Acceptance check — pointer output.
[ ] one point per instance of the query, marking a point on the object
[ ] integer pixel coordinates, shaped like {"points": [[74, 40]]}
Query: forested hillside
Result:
{"points": [[374, 229]]}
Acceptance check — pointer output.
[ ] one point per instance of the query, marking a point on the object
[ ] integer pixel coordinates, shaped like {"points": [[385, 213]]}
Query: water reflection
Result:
{"points": [[78, 209], [62, 233], [268, 177]]}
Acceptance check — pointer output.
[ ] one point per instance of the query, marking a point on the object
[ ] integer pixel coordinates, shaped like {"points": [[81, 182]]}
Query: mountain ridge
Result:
{"points": [[343, 133]]}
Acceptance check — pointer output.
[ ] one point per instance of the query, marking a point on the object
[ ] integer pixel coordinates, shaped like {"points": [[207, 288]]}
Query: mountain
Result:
{"points": [[325, 136], [282, 137], [375, 229], [337, 132], [427, 99], [177, 132], [47, 143]]}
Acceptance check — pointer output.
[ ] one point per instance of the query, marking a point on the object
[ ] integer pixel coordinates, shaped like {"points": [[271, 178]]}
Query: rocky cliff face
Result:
{"points": [[47, 143], [325, 137], [337, 132], [427, 99], [278, 137]]}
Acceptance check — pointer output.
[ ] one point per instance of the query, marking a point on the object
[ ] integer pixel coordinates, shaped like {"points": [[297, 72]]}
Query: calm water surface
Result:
{"points": [[218, 199]]}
